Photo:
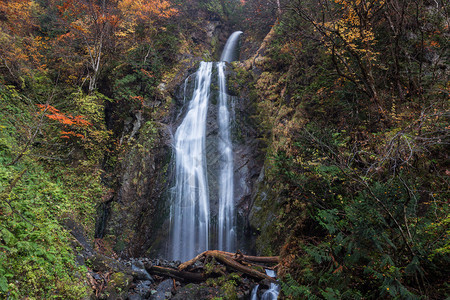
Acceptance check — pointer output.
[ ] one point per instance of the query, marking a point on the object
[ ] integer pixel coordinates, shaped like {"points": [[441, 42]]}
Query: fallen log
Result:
{"points": [[180, 275], [236, 256], [232, 260], [236, 261], [239, 267], [260, 259]]}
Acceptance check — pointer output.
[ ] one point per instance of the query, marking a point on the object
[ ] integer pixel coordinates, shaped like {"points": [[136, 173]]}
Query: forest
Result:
{"points": [[338, 119]]}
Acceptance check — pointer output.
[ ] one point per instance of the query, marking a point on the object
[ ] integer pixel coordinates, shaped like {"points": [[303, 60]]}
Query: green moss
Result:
{"points": [[120, 281], [228, 284], [215, 44]]}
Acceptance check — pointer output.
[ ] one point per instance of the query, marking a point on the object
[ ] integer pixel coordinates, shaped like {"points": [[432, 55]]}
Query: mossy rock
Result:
{"points": [[263, 219], [121, 281], [102, 263], [118, 286]]}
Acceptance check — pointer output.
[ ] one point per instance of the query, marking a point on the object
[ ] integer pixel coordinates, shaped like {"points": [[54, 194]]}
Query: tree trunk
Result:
{"points": [[233, 260], [180, 275]]}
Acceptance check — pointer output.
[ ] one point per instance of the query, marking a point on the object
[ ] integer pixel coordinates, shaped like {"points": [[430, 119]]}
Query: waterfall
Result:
{"points": [[226, 217], [190, 209], [271, 293], [226, 178], [254, 294], [230, 50]]}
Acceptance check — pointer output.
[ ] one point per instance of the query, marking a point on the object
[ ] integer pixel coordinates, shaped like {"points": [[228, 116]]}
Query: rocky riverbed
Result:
{"points": [[131, 279]]}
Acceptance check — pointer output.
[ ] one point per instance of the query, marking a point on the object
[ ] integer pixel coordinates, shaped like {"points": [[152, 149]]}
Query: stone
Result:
{"points": [[197, 291], [134, 297], [139, 264], [162, 290], [143, 288], [120, 281], [140, 273], [95, 276], [118, 286]]}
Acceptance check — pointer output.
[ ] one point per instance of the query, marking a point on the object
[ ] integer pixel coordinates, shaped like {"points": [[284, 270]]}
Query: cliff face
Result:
{"points": [[134, 219], [142, 188]]}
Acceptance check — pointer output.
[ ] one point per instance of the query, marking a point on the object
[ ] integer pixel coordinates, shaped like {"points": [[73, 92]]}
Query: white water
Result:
{"points": [[271, 293], [226, 178], [190, 210], [226, 219], [254, 295], [229, 51]]}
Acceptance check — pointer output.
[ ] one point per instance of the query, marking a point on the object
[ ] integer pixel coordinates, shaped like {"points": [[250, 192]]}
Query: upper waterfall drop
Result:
{"points": [[229, 52]]}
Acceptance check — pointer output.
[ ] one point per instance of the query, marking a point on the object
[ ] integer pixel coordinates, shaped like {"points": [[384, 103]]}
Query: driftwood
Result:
{"points": [[236, 256], [181, 275], [234, 261], [230, 262]]}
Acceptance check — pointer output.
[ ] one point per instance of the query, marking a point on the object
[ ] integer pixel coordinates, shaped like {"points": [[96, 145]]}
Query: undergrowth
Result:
{"points": [[37, 194]]}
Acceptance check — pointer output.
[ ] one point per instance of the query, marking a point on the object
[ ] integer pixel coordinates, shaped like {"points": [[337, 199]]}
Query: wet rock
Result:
{"points": [[95, 275], [265, 284], [197, 291], [140, 273], [134, 297], [132, 222], [243, 295], [148, 265], [78, 233], [139, 263], [143, 288], [163, 289]]}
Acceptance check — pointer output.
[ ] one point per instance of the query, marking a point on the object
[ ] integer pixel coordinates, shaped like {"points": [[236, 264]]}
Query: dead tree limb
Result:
{"points": [[232, 260], [237, 256], [237, 266], [180, 275]]}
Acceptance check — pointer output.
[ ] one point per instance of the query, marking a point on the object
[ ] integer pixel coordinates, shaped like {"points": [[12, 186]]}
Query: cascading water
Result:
{"points": [[271, 293], [254, 294], [226, 218], [226, 199], [190, 210], [229, 52]]}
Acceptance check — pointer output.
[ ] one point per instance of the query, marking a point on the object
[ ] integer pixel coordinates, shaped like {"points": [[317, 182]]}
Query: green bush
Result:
{"points": [[37, 260]]}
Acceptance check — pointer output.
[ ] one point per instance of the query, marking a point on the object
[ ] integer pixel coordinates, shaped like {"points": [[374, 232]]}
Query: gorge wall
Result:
{"points": [[135, 218]]}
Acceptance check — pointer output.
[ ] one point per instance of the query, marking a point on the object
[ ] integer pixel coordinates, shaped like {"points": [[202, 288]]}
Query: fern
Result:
{"points": [[292, 289], [320, 254]]}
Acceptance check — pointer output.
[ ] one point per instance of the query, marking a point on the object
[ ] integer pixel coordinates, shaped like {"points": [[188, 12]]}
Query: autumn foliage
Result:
{"points": [[143, 9], [68, 120]]}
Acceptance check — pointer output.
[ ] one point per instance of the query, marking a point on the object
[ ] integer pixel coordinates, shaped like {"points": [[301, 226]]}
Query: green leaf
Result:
{"points": [[3, 284], [330, 294], [7, 236]]}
